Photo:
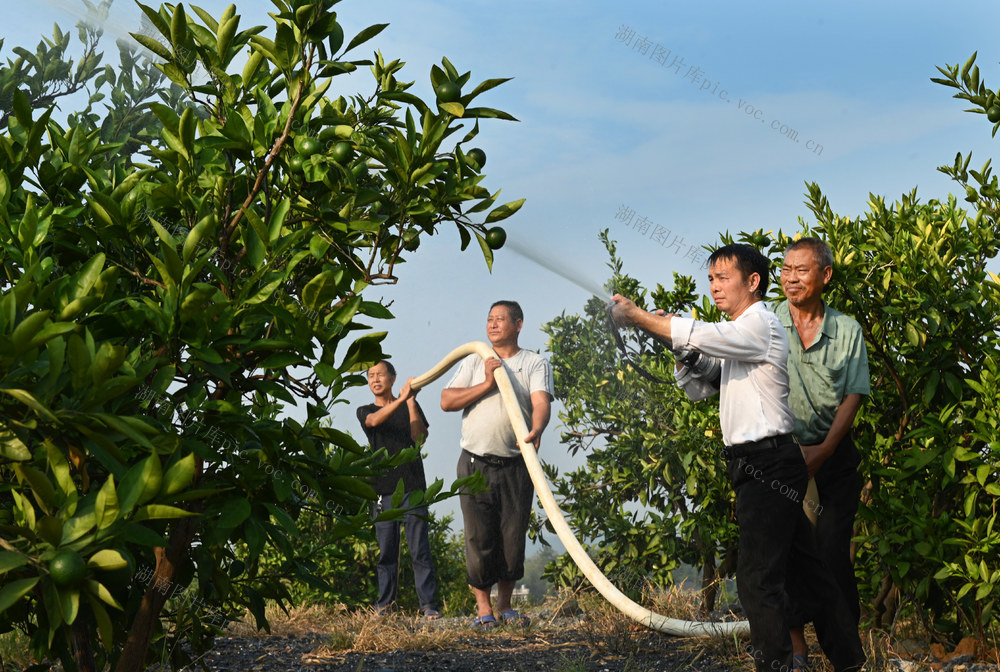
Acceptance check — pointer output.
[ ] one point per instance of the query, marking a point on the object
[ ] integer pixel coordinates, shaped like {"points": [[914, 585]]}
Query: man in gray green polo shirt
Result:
{"points": [[828, 374]]}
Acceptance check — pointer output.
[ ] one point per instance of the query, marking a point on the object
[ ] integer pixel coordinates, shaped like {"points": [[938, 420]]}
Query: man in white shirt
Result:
{"points": [[777, 552], [496, 521]]}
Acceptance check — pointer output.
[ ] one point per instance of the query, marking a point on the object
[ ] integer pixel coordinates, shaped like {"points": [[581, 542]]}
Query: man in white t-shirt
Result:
{"points": [[496, 521]]}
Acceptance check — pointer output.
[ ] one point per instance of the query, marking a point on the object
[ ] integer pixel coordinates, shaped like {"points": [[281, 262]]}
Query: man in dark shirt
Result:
{"points": [[396, 423]]}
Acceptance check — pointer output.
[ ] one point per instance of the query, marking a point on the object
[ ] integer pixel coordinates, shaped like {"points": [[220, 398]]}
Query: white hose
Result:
{"points": [[638, 613]]}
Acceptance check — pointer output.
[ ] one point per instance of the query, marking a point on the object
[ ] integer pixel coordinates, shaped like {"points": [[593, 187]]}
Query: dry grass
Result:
{"points": [[602, 628], [14, 650], [343, 629], [608, 631], [367, 632], [298, 621]]}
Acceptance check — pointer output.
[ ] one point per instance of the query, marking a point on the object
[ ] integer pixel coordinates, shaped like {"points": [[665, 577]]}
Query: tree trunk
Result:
{"points": [[83, 652], [709, 584], [168, 561], [886, 603]]}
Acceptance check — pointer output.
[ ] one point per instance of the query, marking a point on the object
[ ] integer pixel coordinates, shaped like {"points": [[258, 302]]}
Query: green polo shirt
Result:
{"points": [[820, 376]]}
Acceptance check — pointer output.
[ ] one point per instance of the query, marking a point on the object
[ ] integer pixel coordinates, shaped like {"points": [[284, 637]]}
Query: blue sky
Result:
{"points": [[603, 125]]}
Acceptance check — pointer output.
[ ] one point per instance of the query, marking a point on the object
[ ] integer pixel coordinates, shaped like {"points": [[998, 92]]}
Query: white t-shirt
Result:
{"points": [[753, 399], [486, 430]]}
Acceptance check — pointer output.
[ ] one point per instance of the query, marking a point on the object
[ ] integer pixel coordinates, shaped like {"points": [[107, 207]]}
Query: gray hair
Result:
{"points": [[821, 251]]}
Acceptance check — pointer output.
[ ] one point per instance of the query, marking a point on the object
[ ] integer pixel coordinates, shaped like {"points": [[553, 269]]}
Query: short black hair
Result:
{"points": [[513, 307], [748, 260], [388, 367], [821, 251]]}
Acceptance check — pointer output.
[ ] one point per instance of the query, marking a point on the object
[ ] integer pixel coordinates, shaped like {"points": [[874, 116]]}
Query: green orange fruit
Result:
{"points": [[295, 163], [477, 157], [359, 170], [67, 569], [411, 239], [496, 237], [448, 92], [308, 146], [342, 152]]}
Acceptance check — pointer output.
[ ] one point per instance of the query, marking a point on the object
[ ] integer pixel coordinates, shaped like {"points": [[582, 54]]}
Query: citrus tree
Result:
{"points": [[183, 260]]}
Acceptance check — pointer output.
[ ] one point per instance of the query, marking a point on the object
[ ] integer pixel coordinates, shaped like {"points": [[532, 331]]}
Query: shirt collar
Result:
{"points": [[828, 328]]}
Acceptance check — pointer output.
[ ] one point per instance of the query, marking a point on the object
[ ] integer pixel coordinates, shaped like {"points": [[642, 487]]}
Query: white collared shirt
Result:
{"points": [[753, 399]]}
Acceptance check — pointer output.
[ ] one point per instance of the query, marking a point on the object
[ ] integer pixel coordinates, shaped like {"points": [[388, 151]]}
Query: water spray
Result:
{"points": [[559, 268]]}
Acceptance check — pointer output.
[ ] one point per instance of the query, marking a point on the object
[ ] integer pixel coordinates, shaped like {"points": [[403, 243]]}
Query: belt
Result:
{"points": [[750, 447], [492, 460]]}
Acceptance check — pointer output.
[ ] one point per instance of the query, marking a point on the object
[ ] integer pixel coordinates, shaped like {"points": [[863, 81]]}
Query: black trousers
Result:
{"points": [[496, 520], [778, 557], [839, 487]]}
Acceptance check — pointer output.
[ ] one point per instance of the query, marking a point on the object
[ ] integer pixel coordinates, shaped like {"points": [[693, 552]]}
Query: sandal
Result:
{"points": [[432, 614], [513, 617], [484, 622]]}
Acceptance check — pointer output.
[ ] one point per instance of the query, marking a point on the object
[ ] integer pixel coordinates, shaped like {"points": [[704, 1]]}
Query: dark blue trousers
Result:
{"points": [[387, 533]]}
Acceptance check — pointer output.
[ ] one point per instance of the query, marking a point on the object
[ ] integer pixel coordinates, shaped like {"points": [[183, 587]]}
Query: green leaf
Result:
{"points": [[161, 512], [154, 46], [455, 109], [141, 483], [487, 113], [28, 400], [106, 507], [281, 360], [225, 35], [504, 211], [234, 512], [178, 27], [179, 475], [321, 290], [107, 559], [12, 448], [143, 536], [40, 485], [327, 374], [10, 560], [104, 626], [252, 65], [486, 86], [79, 525], [285, 48], [365, 35], [487, 251], [27, 329], [186, 130], [99, 591], [278, 220], [14, 591], [70, 602]]}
